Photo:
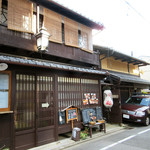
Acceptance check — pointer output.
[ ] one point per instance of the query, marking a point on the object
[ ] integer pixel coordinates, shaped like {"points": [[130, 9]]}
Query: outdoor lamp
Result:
{"points": [[42, 40]]}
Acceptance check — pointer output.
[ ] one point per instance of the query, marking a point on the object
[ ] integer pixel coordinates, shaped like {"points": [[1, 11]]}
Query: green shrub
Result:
{"points": [[84, 134]]}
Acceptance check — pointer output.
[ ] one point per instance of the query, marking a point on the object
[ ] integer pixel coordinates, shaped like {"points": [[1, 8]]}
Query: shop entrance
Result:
{"points": [[34, 115]]}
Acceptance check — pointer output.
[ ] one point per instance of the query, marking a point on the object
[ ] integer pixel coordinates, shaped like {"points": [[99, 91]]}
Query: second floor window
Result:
{"points": [[20, 15], [53, 24], [3, 17]]}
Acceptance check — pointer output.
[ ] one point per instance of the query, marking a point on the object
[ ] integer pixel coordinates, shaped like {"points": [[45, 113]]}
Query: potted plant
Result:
{"points": [[84, 134]]}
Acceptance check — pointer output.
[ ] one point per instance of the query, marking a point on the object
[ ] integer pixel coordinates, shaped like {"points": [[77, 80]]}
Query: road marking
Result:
{"points": [[143, 131], [125, 139]]}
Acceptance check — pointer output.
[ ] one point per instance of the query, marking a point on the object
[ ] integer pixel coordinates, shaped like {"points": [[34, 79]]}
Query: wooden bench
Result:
{"points": [[99, 119], [102, 127]]}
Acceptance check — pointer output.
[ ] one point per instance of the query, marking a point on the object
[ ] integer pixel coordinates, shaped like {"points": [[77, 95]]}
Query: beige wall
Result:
{"points": [[145, 72], [117, 65]]}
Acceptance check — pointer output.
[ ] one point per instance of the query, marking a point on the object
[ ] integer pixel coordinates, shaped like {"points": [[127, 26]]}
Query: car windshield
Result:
{"points": [[138, 101]]}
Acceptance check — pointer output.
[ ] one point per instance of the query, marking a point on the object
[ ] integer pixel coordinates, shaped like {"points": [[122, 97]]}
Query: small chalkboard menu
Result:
{"points": [[71, 114]]}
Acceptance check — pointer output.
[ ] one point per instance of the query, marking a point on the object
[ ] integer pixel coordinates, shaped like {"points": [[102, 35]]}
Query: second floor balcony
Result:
{"points": [[70, 40]]}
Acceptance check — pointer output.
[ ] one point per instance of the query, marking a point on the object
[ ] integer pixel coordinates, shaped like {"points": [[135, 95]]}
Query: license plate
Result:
{"points": [[126, 116]]}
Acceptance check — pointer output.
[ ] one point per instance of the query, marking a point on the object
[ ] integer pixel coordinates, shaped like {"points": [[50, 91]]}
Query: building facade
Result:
{"points": [[36, 86], [124, 78]]}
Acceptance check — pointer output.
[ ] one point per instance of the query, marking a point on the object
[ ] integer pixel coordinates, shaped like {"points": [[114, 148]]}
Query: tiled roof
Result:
{"points": [[11, 59], [59, 8], [130, 78]]}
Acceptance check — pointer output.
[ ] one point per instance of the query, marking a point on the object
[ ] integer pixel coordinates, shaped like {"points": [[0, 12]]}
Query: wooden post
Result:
{"points": [[56, 106], [72, 124], [36, 113]]}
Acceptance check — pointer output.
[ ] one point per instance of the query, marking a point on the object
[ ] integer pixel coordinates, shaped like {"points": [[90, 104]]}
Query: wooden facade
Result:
{"points": [[37, 92], [124, 75], [33, 123], [113, 64]]}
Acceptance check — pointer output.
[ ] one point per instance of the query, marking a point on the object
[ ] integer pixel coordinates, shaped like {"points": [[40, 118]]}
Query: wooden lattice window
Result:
{"points": [[3, 12], [69, 92], [25, 102], [45, 100], [90, 87], [5, 91]]}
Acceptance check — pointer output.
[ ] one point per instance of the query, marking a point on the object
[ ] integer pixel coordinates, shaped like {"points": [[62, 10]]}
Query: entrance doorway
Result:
{"points": [[34, 116]]}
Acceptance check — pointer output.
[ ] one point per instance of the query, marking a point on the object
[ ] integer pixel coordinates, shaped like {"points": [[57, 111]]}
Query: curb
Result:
{"points": [[94, 136], [66, 143]]}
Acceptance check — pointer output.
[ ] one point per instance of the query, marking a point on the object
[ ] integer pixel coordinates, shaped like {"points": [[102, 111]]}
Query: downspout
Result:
{"points": [[37, 17]]}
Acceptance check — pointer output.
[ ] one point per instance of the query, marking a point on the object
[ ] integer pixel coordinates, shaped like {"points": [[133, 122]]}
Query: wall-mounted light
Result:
{"points": [[42, 40], [42, 36]]}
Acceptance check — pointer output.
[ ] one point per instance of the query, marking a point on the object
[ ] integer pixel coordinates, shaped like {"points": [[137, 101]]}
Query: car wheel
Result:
{"points": [[147, 121]]}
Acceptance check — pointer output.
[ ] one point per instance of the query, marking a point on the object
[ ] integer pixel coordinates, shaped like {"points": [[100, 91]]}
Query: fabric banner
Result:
{"points": [[20, 14], [71, 32], [52, 22]]}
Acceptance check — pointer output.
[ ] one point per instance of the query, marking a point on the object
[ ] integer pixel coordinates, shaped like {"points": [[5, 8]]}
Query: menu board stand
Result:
{"points": [[71, 114]]}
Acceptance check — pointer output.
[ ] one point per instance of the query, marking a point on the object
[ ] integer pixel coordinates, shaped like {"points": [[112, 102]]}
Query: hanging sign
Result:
{"points": [[3, 66], [45, 105]]}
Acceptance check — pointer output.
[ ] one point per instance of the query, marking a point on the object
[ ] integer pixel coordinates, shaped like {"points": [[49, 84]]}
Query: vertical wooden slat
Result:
{"points": [[55, 89], [0, 9], [13, 104], [36, 110]]}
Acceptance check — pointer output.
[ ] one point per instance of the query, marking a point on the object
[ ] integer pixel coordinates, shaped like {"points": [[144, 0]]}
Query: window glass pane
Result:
{"points": [[4, 81], [3, 99]]}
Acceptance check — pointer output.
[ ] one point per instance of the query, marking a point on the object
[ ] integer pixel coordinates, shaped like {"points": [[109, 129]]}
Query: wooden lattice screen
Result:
{"points": [[20, 14], [30, 93], [71, 32], [25, 102], [45, 101], [71, 91], [86, 36], [91, 87], [52, 22]]}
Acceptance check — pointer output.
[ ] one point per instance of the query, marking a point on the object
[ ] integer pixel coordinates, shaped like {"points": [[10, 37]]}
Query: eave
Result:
{"points": [[107, 52], [69, 13]]}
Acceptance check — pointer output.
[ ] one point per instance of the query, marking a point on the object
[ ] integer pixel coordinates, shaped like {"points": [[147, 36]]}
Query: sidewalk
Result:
{"points": [[61, 144]]}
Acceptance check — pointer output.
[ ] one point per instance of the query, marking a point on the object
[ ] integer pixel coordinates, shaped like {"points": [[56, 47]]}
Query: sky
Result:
{"points": [[126, 22]]}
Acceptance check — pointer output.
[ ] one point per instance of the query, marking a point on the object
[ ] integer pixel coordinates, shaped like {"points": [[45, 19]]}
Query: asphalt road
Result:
{"points": [[136, 137]]}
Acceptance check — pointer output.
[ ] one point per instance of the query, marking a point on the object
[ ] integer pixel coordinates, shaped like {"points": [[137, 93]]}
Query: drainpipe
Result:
{"points": [[37, 17]]}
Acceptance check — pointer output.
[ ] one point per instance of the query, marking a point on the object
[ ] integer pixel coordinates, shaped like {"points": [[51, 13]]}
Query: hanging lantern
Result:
{"points": [[42, 40], [108, 100]]}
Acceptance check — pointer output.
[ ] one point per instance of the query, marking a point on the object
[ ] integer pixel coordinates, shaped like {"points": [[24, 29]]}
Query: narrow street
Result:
{"points": [[136, 137]]}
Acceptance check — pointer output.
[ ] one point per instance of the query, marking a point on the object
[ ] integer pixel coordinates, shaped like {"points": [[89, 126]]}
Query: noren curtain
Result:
{"points": [[71, 32], [20, 14], [52, 22], [86, 36]]}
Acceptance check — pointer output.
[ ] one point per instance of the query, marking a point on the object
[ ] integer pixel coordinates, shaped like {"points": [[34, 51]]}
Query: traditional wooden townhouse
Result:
{"points": [[38, 81], [124, 78]]}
